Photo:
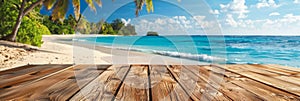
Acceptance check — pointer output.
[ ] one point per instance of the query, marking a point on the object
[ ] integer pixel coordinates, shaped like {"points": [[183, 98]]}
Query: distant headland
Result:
{"points": [[151, 33]]}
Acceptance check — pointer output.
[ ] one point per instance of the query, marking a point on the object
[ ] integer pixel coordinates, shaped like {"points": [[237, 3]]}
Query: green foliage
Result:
{"points": [[31, 32], [8, 15], [117, 24], [57, 27], [31, 29], [32, 25], [95, 27], [117, 27], [140, 3], [60, 7], [83, 26], [107, 28]]}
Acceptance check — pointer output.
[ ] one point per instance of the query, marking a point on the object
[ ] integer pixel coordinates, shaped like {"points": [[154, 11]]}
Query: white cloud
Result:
{"points": [[274, 14], [160, 21], [266, 26], [216, 12], [290, 18], [175, 25], [199, 18], [230, 21], [296, 1], [224, 8], [204, 23], [182, 20], [162, 25], [126, 22], [267, 3], [237, 7]]}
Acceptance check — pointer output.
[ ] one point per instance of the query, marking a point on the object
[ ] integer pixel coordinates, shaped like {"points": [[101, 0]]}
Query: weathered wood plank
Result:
{"points": [[135, 86], [105, 86], [63, 90], [163, 86], [262, 91], [186, 82], [25, 70], [249, 68], [262, 70], [155, 82], [279, 84], [296, 71], [229, 89], [284, 68], [196, 87], [12, 79], [237, 93], [8, 71], [26, 91], [291, 79], [272, 69], [287, 77], [223, 87]]}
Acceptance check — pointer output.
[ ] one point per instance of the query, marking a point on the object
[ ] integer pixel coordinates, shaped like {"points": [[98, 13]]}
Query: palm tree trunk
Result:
{"points": [[22, 13], [13, 35]]}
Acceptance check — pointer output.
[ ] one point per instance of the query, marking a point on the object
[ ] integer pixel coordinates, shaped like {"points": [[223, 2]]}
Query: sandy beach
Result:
{"points": [[54, 51]]}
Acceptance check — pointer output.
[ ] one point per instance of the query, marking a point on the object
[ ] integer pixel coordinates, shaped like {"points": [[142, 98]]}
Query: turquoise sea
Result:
{"points": [[283, 50]]}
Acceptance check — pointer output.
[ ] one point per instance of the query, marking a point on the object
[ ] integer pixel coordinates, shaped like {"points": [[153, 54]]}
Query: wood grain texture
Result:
{"points": [[188, 82], [12, 79], [163, 86], [233, 91], [151, 82], [135, 85], [57, 87], [267, 86], [105, 86], [211, 84], [282, 75], [24, 92], [65, 89], [284, 68]]}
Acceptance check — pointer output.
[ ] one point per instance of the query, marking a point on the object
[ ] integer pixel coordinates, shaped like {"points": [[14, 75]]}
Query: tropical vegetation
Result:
{"points": [[22, 22], [117, 27]]}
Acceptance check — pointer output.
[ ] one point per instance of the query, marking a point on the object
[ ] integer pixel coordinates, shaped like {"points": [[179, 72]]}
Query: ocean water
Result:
{"points": [[282, 50]]}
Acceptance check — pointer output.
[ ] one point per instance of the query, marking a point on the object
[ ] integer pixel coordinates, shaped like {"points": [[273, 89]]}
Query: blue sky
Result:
{"points": [[229, 17]]}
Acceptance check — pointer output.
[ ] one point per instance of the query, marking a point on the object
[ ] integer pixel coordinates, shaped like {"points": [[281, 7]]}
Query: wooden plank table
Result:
{"points": [[151, 83]]}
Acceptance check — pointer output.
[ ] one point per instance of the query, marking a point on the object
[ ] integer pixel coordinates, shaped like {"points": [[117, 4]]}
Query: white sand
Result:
{"points": [[49, 53], [53, 52]]}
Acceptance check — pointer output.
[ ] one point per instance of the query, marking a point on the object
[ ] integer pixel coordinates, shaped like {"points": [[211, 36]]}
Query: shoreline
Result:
{"points": [[120, 56], [53, 51]]}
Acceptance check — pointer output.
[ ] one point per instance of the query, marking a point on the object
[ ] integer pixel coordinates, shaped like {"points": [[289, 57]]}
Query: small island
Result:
{"points": [[151, 33]]}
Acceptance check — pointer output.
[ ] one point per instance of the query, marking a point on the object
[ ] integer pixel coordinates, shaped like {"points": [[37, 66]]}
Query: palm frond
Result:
{"points": [[49, 4], [60, 10], [149, 5], [139, 5], [99, 2], [76, 5], [91, 4]]}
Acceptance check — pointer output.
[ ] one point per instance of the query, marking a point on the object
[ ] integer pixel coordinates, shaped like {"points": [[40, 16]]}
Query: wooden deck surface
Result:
{"points": [[151, 82]]}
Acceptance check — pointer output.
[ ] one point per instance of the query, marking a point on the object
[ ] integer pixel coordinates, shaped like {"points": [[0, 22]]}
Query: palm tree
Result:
{"points": [[60, 8]]}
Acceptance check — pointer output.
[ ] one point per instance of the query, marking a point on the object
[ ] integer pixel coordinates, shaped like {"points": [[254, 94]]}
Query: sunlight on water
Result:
{"points": [[239, 49]]}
